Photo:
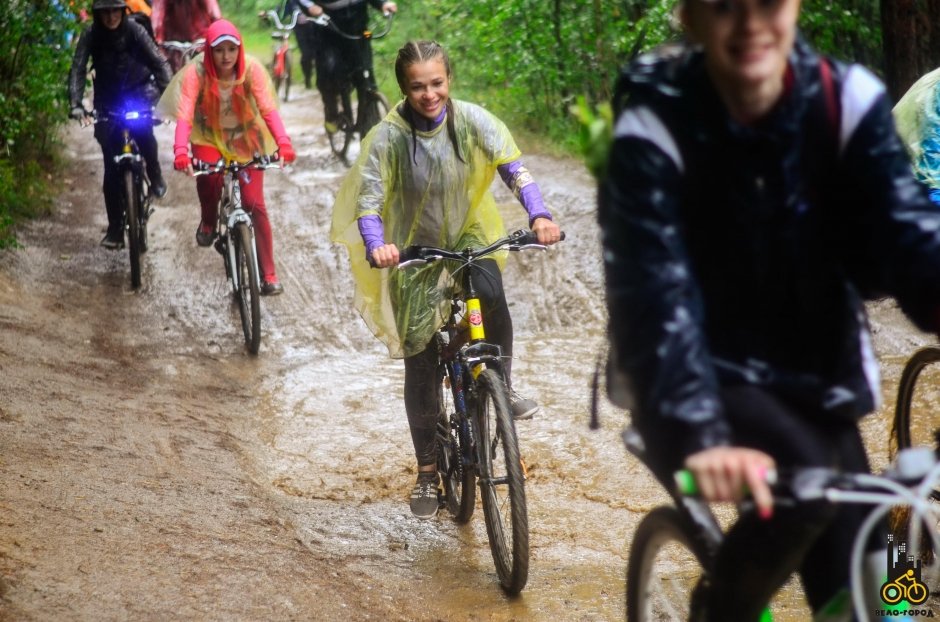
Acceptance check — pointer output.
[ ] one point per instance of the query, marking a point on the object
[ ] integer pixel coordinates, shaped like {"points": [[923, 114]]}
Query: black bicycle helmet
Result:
{"points": [[99, 5]]}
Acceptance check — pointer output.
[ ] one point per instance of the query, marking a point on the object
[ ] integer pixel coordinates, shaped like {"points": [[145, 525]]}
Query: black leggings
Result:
{"points": [[422, 380], [814, 539]]}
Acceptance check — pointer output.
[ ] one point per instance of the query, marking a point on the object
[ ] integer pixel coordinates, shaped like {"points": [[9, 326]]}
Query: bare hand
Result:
{"points": [[385, 256], [725, 473], [546, 231], [389, 7]]}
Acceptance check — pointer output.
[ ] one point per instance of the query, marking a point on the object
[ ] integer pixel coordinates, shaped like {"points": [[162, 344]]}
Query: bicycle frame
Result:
{"points": [[231, 212], [477, 442], [282, 35]]}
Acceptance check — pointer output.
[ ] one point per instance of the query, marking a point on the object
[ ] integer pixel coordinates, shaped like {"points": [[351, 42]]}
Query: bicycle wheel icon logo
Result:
{"points": [[906, 587], [904, 580]]}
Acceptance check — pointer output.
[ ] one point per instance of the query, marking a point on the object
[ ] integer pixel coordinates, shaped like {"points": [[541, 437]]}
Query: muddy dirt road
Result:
{"points": [[151, 470]]}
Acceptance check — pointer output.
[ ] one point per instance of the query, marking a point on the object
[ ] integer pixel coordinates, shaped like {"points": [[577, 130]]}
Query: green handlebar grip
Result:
{"points": [[685, 483]]}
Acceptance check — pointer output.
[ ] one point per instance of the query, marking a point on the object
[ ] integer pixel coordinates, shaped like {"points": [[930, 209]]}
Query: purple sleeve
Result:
{"points": [[516, 176], [372, 232]]}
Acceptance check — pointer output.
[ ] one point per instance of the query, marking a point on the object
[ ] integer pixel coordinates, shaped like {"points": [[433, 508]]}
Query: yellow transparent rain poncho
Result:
{"points": [[425, 195], [918, 121]]}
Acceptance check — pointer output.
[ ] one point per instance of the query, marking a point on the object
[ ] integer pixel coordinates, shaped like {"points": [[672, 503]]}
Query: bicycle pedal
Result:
{"points": [[219, 245]]}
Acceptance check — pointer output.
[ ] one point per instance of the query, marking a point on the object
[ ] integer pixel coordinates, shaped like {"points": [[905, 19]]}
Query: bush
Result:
{"points": [[34, 62]]}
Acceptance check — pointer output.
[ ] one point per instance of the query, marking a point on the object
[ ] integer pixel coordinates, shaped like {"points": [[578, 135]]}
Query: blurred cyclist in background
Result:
{"points": [[339, 58], [129, 70]]}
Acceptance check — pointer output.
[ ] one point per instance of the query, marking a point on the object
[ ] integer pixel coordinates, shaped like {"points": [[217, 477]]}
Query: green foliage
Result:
{"points": [[34, 60], [595, 134]]}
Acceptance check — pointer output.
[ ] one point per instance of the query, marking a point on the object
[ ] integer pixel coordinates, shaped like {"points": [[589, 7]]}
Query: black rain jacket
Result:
{"points": [[742, 255], [124, 61]]}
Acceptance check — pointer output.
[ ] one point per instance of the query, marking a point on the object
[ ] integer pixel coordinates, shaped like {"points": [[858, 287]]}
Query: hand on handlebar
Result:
{"points": [[81, 115], [546, 231], [183, 163], [286, 153], [726, 473], [385, 256], [389, 7]]}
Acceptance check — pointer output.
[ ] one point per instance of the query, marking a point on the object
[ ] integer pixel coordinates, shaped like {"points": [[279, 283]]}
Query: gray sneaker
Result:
{"points": [[522, 407], [424, 502]]}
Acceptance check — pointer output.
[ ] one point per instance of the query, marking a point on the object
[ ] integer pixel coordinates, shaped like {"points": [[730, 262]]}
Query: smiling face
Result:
{"points": [[225, 57], [746, 42], [427, 87]]}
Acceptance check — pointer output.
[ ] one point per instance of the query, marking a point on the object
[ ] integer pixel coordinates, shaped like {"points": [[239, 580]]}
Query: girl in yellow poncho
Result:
{"points": [[423, 177]]}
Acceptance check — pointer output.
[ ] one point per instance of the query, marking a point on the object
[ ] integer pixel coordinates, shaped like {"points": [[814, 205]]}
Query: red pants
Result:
{"points": [[251, 183]]}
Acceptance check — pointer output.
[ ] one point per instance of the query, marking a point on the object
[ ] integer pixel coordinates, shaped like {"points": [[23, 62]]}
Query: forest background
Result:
{"points": [[543, 66]]}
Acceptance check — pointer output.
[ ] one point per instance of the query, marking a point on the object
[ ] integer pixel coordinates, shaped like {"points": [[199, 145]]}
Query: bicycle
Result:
{"points": [[686, 535], [281, 64], [916, 410], [135, 183], [235, 241], [370, 111], [477, 440], [178, 53]]}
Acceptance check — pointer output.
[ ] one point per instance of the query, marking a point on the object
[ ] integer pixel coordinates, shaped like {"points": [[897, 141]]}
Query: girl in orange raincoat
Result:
{"points": [[225, 108]]}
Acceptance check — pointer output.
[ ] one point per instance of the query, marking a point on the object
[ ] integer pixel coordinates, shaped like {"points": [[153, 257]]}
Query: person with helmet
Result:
{"points": [[226, 108], [128, 68]]}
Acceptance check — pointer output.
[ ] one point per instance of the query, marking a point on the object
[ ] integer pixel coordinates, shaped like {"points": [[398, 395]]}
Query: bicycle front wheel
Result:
{"points": [[248, 294], [502, 482], [287, 74], [662, 570], [371, 111], [132, 221], [917, 411]]}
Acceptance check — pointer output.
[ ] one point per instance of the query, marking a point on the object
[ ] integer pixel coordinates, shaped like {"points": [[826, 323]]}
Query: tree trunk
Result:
{"points": [[911, 33]]}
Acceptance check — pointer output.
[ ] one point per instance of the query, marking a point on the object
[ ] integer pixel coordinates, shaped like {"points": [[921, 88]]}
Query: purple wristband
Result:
{"points": [[517, 178], [372, 232]]}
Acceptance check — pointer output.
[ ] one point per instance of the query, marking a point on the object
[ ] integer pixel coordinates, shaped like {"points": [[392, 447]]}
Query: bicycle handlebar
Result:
{"points": [[184, 46], [324, 20], [273, 16], [419, 255], [232, 166]]}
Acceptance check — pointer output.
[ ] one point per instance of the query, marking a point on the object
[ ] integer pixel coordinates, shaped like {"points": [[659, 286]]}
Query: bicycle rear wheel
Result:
{"points": [[453, 463], [371, 111], [502, 482], [917, 411], [662, 570], [132, 222], [248, 294]]}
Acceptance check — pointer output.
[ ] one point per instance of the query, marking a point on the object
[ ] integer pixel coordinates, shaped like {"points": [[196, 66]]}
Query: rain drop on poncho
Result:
{"points": [[425, 195], [917, 116]]}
